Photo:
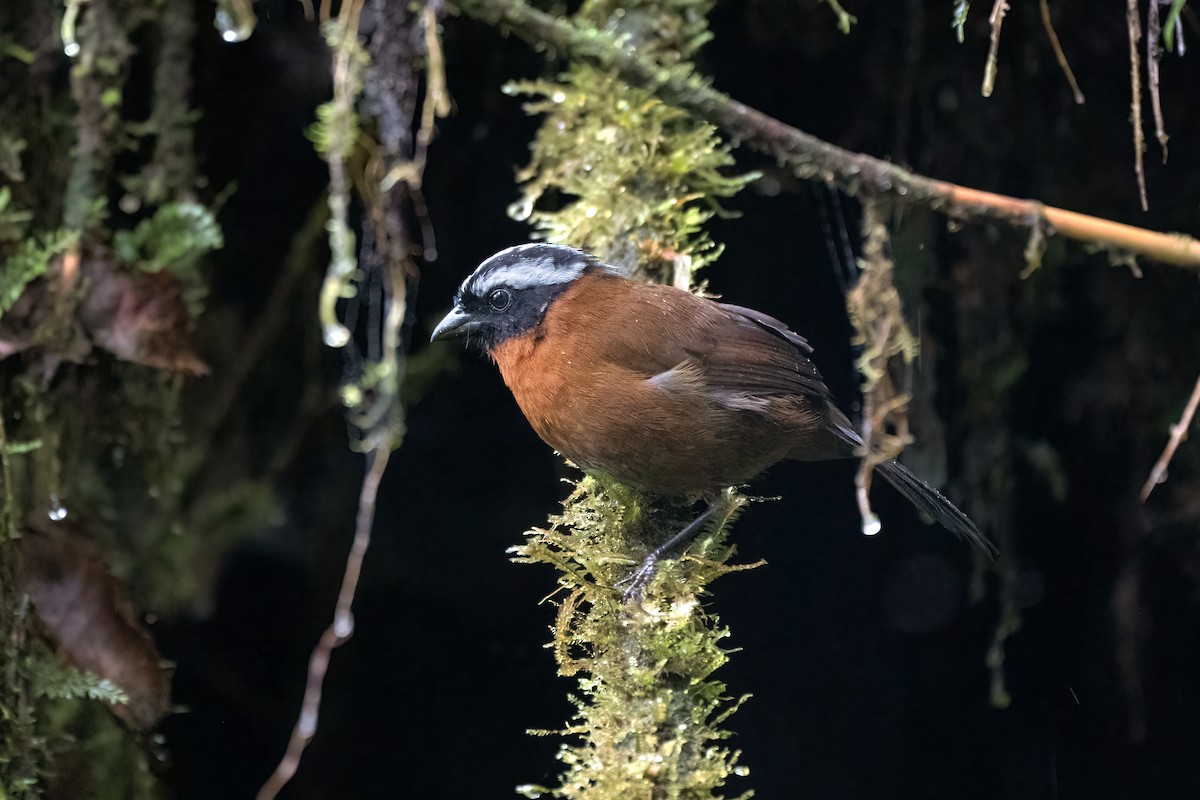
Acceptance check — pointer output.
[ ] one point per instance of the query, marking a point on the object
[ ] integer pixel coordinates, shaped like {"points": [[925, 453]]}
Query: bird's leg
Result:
{"points": [[635, 584]]}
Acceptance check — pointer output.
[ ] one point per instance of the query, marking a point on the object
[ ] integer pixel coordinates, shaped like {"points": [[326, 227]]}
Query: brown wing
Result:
{"points": [[740, 354], [758, 355], [616, 366]]}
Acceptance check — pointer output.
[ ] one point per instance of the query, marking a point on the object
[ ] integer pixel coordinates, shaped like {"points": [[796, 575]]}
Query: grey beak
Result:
{"points": [[452, 324]]}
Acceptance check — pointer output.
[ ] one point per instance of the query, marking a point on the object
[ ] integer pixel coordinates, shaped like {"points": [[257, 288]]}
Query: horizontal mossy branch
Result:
{"points": [[811, 157]]}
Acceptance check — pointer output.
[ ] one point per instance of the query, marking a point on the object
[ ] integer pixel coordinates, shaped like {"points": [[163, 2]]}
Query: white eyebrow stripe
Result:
{"points": [[544, 271], [517, 248]]}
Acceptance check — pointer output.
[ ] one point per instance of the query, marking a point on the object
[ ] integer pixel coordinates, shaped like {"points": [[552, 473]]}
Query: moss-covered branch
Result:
{"points": [[811, 157], [19, 749], [640, 179], [649, 710]]}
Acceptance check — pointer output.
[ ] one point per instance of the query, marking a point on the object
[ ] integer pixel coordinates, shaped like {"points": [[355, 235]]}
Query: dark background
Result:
{"points": [[865, 657]]}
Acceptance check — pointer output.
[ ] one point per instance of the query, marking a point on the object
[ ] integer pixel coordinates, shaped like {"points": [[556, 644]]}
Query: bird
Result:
{"points": [[665, 391]]}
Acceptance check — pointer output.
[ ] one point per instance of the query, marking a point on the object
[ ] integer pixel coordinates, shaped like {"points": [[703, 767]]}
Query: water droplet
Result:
{"points": [[589, 212], [351, 394], [58, 512], [522, 210], [531, 790], [336, 335], [741, 771], [234, 21], [343, 626], [67, 29], [558, 97], [871, 525]]}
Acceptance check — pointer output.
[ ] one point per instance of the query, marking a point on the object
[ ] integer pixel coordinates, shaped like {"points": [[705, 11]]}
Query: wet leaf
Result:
{"points": [[139, 317], [86, 613]]}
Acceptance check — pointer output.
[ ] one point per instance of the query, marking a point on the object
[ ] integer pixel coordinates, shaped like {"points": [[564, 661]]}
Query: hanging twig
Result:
{"points": [[1135, 106], [880, 329], [339, 630], [348, 61], [1178, 433], [1153, 54], [1052, 35], [386, 268], [989, 69], [812, 158]]}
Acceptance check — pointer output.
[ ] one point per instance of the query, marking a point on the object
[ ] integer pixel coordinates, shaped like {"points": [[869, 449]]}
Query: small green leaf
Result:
{"points": [[68, 683], [175, 238], [29, 263]]}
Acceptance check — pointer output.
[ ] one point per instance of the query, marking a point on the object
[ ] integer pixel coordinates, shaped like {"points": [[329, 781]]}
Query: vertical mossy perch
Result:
{"points": [[649, 710], [633, 180]]}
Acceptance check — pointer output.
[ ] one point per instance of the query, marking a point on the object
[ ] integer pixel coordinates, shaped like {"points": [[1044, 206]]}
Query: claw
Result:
{"points": [[634, 585]]}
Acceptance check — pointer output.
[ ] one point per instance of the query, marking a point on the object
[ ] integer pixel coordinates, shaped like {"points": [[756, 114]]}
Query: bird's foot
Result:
{"points": [[633, 586]]}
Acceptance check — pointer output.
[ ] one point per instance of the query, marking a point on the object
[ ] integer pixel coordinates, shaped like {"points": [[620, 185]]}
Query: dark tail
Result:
{"points": [[928, 500], [933, 503]]}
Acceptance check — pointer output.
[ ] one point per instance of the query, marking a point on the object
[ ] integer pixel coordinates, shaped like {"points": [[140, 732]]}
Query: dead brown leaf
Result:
{"points": [[86, 613]]}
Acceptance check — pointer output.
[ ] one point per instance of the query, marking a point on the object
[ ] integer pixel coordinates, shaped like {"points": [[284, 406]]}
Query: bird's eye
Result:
{"points": [[500, 299]]}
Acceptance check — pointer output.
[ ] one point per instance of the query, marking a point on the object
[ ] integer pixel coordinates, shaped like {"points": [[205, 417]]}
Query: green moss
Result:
{"points": [[22, 748], [621, 174], [616, 171], [648, 710], [634, 180]]}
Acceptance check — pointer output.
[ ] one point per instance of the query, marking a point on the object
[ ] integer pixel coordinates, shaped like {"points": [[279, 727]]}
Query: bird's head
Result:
{"points": [[508, 294]]}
